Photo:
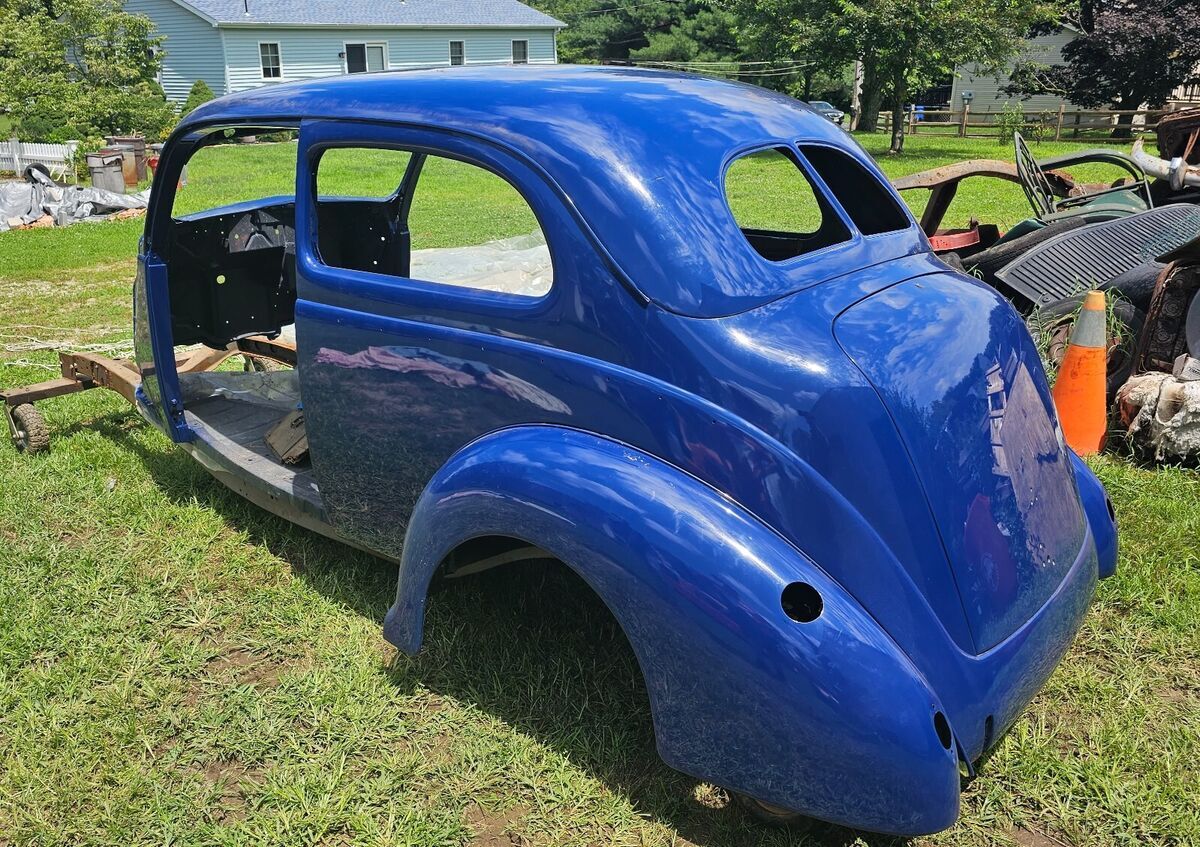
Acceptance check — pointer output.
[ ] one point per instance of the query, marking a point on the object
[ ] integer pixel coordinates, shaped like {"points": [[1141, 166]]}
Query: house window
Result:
{"points": [[458, 52], [268, 56], [366, 56], [520, 52]]}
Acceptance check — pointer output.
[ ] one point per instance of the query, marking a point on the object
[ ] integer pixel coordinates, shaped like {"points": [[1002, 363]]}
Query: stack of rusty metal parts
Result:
{"points": [[1159, 405]]}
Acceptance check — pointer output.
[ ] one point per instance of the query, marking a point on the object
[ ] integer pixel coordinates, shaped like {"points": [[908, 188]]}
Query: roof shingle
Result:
{"points": [[399, 13]]}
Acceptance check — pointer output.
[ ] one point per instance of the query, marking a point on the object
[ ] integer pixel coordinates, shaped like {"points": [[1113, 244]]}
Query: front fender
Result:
{"points": [[829, 717]]}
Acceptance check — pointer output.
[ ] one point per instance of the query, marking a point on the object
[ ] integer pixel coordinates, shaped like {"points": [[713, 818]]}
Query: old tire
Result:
{"points": [[33, 436], [985, 263], [1057, 319], [774, 816]]}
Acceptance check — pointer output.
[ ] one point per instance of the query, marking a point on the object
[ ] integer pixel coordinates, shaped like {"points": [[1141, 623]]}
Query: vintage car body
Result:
{"points": [[826, 497]]}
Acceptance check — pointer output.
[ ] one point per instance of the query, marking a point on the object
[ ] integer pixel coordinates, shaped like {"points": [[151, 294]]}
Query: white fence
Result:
{"points": [[16, 155]]}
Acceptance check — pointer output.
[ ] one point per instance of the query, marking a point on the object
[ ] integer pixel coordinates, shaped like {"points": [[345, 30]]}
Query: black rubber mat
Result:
{"points": [[1089, 256]]}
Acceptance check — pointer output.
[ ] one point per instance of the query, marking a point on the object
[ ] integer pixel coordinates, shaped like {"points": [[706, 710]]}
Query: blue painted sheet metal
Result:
{"points": [[827, 717], [955, 366], [688, 466], [641, 154]]}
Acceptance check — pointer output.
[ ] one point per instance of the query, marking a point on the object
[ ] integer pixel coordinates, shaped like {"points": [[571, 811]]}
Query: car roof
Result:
{"points": [[640, 153]]}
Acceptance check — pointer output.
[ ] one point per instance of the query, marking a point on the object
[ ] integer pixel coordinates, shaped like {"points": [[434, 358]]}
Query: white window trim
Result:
{"points": [[261, 71], [512, 51], [450, 50], [387, 61]]}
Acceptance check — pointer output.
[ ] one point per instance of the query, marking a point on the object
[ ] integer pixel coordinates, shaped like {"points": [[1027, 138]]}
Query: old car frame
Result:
{"points": [[816, 475]]}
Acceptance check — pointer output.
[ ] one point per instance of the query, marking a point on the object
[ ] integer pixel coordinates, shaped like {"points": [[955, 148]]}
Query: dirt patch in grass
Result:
{"points": [[231, 781], [1034, 838], [494, 829], [244, 668]]}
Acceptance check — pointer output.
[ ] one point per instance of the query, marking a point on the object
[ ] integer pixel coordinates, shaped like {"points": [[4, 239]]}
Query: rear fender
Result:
{"points": [[826, 717], [1100, 515]]}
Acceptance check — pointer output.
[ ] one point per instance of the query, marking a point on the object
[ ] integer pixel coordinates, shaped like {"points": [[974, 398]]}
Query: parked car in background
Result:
{"points": [[815, 474], [828, 111]]}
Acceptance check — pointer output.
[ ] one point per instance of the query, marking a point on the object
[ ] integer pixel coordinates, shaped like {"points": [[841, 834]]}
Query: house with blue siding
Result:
{"points": [[234, 45]]}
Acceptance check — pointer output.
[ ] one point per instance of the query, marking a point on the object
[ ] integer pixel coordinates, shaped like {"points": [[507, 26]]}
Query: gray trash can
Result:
{"points": [[105, 169], [137, 144]]}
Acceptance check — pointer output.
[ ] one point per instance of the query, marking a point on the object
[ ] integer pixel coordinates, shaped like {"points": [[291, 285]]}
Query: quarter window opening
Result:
{"points": [[777, 208], [870, 205]]}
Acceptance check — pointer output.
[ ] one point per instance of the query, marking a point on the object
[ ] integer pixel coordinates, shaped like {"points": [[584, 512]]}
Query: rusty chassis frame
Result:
{"points": [[84, 371], [943, 182]]}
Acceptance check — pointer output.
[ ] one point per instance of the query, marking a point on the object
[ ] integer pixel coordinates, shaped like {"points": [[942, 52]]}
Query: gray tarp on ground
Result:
{"points": [[29, 200]]}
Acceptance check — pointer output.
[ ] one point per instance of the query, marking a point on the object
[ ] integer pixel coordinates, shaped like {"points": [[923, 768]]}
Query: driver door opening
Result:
{"points": [[230, 254]]}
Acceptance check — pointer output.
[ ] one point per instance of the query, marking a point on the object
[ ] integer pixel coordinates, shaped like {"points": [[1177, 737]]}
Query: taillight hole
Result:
{"points": [[801, 602], [942, 727], [1112, 513]]}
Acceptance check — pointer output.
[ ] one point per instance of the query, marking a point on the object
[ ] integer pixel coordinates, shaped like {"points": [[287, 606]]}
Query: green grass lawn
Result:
{"points": [[177, 667]]}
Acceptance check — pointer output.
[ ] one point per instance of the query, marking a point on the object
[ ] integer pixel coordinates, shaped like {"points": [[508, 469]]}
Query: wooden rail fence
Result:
{"points": [[1096, 125]]}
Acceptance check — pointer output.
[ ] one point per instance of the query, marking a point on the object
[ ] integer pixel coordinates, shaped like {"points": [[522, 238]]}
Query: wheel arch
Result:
{"points": [[742, 694]]}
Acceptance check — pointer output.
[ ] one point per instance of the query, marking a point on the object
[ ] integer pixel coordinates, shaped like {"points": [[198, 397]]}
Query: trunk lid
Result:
{"points": [[960, 376]]}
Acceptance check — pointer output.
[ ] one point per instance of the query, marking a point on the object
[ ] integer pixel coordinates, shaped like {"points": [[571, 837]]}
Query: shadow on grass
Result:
{"points": [[530, 644]]}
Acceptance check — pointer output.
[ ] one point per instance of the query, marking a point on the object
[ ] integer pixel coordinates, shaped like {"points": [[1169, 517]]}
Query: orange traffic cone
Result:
{"points": [[1081, 391]]}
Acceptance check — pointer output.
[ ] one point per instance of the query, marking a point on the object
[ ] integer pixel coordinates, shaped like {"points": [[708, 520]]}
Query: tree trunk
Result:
{"points": [[1122, 129], [898, 127], [898, 95], [872, 99]]}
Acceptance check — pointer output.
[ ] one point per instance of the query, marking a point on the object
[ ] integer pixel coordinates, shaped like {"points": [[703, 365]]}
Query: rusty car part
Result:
{"points": [[946, 241], [943, 182], [1161, 414], [1172, 306], [1121, 197], [1178, 134], [276, 349], [84, 371], [289, 439]]}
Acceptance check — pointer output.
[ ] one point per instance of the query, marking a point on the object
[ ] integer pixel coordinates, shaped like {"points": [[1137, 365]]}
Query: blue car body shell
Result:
{"points": [[691, 427]]}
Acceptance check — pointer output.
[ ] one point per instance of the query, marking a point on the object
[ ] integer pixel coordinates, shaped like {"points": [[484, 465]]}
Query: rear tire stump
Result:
{"points": [[33, 436]]}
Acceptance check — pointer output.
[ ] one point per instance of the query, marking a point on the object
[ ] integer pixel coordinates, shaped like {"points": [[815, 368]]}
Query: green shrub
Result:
{"points": [[199, 94], [1010, 120]]}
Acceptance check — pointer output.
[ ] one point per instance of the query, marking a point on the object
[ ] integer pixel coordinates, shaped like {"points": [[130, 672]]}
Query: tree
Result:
{"points": [[1127, 53], [199, 95], [80, 69], [904, 45], [642, 30]]}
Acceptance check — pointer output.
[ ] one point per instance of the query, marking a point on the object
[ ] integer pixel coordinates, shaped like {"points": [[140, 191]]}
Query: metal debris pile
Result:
{"points": [[1161, 412], [1137, 239]]}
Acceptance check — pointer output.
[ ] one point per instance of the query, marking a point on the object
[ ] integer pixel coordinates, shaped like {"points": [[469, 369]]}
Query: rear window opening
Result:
{"points": [[777, 208]]}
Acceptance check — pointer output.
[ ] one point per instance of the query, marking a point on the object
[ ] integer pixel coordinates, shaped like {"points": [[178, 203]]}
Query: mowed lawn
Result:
{"points": [[177, 667]]}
